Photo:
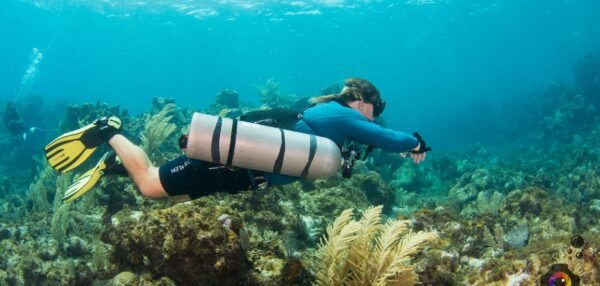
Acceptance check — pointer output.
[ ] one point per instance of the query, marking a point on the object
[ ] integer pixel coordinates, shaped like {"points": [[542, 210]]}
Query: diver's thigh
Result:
{"points": [[150, 184]]}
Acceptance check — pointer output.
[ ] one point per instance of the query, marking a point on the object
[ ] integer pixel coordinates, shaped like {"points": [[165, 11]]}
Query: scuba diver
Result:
{"points": [[348, 115], [12, 120], [15, 126]]}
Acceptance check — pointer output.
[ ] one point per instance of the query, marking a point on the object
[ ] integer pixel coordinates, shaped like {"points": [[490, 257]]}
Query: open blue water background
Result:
{"points": [[437, 63]]}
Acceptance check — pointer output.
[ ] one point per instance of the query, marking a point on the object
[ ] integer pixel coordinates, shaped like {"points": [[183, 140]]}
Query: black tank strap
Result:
{"points": [[232, 141], [279, 162], [311, 155], [214, 148]]}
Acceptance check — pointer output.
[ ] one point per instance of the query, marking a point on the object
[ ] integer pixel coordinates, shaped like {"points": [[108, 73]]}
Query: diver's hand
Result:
{"points": [[416, 157], [418, 154]]}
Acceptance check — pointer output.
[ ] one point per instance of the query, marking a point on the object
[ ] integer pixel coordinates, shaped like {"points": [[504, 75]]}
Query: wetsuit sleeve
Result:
{"points": [[370, 133]]}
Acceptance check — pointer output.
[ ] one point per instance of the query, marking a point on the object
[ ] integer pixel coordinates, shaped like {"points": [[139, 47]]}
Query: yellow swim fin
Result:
{"points": [[89, 179], [73, 148]]}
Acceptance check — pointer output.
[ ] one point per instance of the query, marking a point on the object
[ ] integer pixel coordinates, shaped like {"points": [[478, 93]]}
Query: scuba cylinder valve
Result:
{"points": [[350, 153]]}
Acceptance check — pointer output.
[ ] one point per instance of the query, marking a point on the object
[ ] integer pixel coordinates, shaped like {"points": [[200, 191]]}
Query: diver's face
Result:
{"points": [[366, 109]]}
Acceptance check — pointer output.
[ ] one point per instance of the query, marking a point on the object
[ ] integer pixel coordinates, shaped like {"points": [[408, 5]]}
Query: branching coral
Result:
{"points": [[100, 254], [495, 241], [366, 252], [157, 129]]}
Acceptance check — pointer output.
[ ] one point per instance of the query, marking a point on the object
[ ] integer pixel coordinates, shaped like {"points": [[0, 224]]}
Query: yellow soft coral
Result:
{"points": [[366, 252]]}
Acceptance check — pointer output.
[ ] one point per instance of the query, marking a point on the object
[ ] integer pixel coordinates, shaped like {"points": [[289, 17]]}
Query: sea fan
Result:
{"points": [[366, 252], [333, 249]]}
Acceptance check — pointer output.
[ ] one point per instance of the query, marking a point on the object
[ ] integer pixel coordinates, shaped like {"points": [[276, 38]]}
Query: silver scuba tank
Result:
{"points": [[257, 147]]}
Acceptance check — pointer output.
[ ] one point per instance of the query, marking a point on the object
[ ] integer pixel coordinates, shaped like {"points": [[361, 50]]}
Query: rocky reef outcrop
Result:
{"points": [[187, 243]]}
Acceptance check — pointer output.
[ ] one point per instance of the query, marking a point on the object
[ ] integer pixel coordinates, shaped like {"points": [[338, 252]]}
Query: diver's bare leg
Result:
{"points": [[144, 174]]}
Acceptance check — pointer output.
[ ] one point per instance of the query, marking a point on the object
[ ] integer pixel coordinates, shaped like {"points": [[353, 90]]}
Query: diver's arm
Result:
{"points": [[389, 140], [370, 133]]}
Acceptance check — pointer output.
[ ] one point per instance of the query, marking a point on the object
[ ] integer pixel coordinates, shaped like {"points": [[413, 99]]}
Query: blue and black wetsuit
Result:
{"points": [[334, 120]]}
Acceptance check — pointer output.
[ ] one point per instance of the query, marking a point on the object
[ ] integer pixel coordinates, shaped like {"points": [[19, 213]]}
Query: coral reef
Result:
{"points": [[79, 116], [376, 190], [564, 112], [157, 241], [504, 215], [587, 76], [227, 104], [552, 113], [228, 98]]}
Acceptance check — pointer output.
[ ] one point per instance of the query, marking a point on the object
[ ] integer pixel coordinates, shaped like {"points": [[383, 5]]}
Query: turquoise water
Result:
{"points": [[507, 93], [436, 62]]}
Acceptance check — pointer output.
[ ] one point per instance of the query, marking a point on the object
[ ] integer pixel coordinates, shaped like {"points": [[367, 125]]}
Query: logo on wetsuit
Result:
{"points": [[179, 168]]}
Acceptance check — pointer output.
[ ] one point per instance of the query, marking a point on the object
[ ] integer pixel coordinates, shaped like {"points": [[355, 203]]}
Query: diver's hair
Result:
{"points": [[355, 89], [324, 98]]}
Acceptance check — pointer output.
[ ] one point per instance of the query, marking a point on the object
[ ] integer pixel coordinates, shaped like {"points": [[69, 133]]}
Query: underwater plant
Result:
{"points": [[494, 241], [39, 190], [366, 252], [157, 129], [60, 217], [60, 223], [271, 96]]}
